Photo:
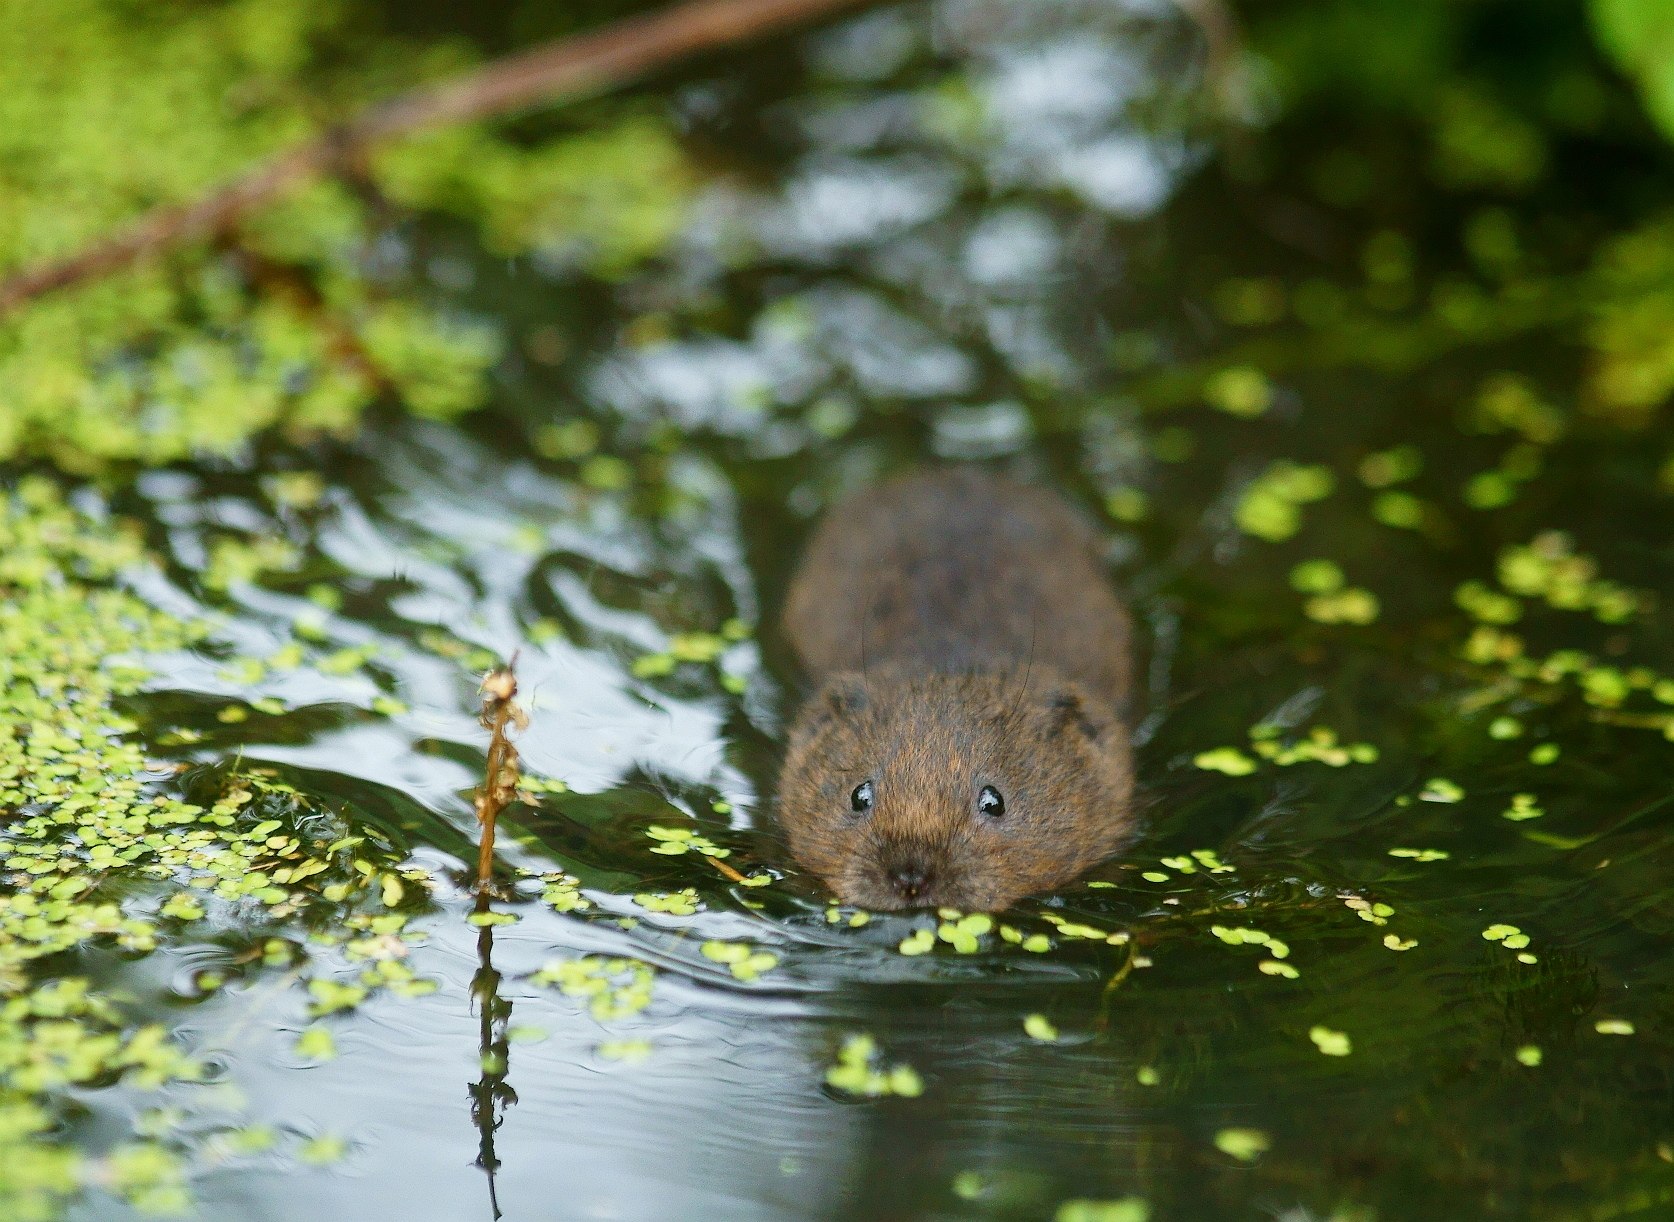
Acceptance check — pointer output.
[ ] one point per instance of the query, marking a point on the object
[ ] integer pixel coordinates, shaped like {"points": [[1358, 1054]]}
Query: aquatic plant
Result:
{"points": [[309, 310]]}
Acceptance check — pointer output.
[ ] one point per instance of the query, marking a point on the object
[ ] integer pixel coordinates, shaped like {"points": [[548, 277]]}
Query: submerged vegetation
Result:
{"points": [[1365, 357]]}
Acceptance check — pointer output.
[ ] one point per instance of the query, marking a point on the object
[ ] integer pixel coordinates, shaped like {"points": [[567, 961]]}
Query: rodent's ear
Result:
{"points": [[842, 695], [1066, 711]]}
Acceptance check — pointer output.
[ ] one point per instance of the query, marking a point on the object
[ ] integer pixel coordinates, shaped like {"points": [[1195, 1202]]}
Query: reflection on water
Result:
{"points": [[971, 230], [491, 1094]]}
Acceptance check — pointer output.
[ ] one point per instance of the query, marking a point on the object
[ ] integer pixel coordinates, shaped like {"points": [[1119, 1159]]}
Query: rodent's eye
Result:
{"points": [[861, 798], [990, 803]]}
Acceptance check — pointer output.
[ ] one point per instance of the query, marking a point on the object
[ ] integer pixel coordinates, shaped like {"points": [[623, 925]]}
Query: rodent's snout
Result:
{"points": [[909, 874], [910, 878]]}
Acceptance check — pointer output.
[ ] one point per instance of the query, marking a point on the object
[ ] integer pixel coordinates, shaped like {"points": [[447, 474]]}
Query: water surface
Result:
{"points": [[1014, 234]]}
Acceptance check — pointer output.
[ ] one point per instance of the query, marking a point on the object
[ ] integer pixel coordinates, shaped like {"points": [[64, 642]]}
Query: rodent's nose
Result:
{"points": [[910, 879]]}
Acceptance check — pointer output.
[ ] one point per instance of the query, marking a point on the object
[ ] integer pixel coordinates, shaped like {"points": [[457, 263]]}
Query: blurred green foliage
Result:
{"points": [[1509, 107], [313, 307], [325, 302], [1640, 35]]}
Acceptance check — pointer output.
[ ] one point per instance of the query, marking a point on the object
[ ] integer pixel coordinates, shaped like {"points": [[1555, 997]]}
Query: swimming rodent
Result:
{"points": [[965, 746]]}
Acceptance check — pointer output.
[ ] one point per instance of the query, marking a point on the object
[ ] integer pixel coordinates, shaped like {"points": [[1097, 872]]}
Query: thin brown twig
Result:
{"points": [[1223, 46], [289, 283], [1115, 982], [500, 712], [724, 868], [580, 64]]}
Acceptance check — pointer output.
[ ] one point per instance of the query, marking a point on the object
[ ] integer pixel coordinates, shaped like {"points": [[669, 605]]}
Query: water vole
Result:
{"points": [[964, 746]]}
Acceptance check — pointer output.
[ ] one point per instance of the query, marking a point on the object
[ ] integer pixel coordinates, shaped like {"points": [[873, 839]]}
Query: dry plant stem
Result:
{"points": [[724, 868], [288, 283], [500, 711], [1115, 982], [585, 63]]}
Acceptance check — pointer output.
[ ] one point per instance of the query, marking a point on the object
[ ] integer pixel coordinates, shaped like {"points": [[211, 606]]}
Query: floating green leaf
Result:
{"points": [[1246, 1145]]}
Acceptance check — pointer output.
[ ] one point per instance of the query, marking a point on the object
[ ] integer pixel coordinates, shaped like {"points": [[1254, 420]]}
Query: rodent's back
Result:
{"points": [[958, 570]]}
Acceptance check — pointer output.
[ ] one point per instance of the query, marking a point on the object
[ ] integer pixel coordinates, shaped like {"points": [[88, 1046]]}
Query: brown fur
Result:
{"points": [[964, 635]]}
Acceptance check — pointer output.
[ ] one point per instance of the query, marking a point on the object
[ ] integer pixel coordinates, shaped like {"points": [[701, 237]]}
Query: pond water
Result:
{"points": [[1393, 943]]}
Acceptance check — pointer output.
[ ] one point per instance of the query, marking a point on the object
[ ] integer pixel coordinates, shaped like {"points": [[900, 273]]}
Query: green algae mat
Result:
{"points": [[1358, 349]]}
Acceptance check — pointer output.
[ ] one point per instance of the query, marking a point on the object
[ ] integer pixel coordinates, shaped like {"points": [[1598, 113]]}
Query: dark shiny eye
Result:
{"points": [[861, 798], [990, 803]]}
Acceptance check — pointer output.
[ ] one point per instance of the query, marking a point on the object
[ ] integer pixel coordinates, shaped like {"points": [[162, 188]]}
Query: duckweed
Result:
{"points": [[91, 807], [964, 933], [1330, 1043], [562, 893], [614, 988], [316, 1044], [1271, 506], [1373, 913], [1228, 760], [1239, 391], [1383, 468], [694, 648], [1204, 860], [1548, 568], [1348, 606], [1440, 789], [628, 1052], [1211, 861], [1035, 943], [1124, 1209], [1317, 577], [1489, 606], [1246, 1145], [1075, 929], [919, 942], [324, 1150], [683, 902], [859, 1071], [1319, 745], [1400, 510], [744, 961], [1039, 1027], [1421, 854], [673, 841], [1126, 504]]}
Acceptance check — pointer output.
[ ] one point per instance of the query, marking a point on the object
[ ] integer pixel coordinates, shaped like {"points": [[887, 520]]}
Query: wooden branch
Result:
{"points": [[571, 66], [1223, 48]]}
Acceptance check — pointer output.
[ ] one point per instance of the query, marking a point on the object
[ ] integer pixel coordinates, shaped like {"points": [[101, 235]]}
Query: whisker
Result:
{"points": [[1028, 669]]}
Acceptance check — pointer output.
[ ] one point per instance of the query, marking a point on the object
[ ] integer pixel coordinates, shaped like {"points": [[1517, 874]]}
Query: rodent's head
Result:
{"points": [[967, 791]]}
